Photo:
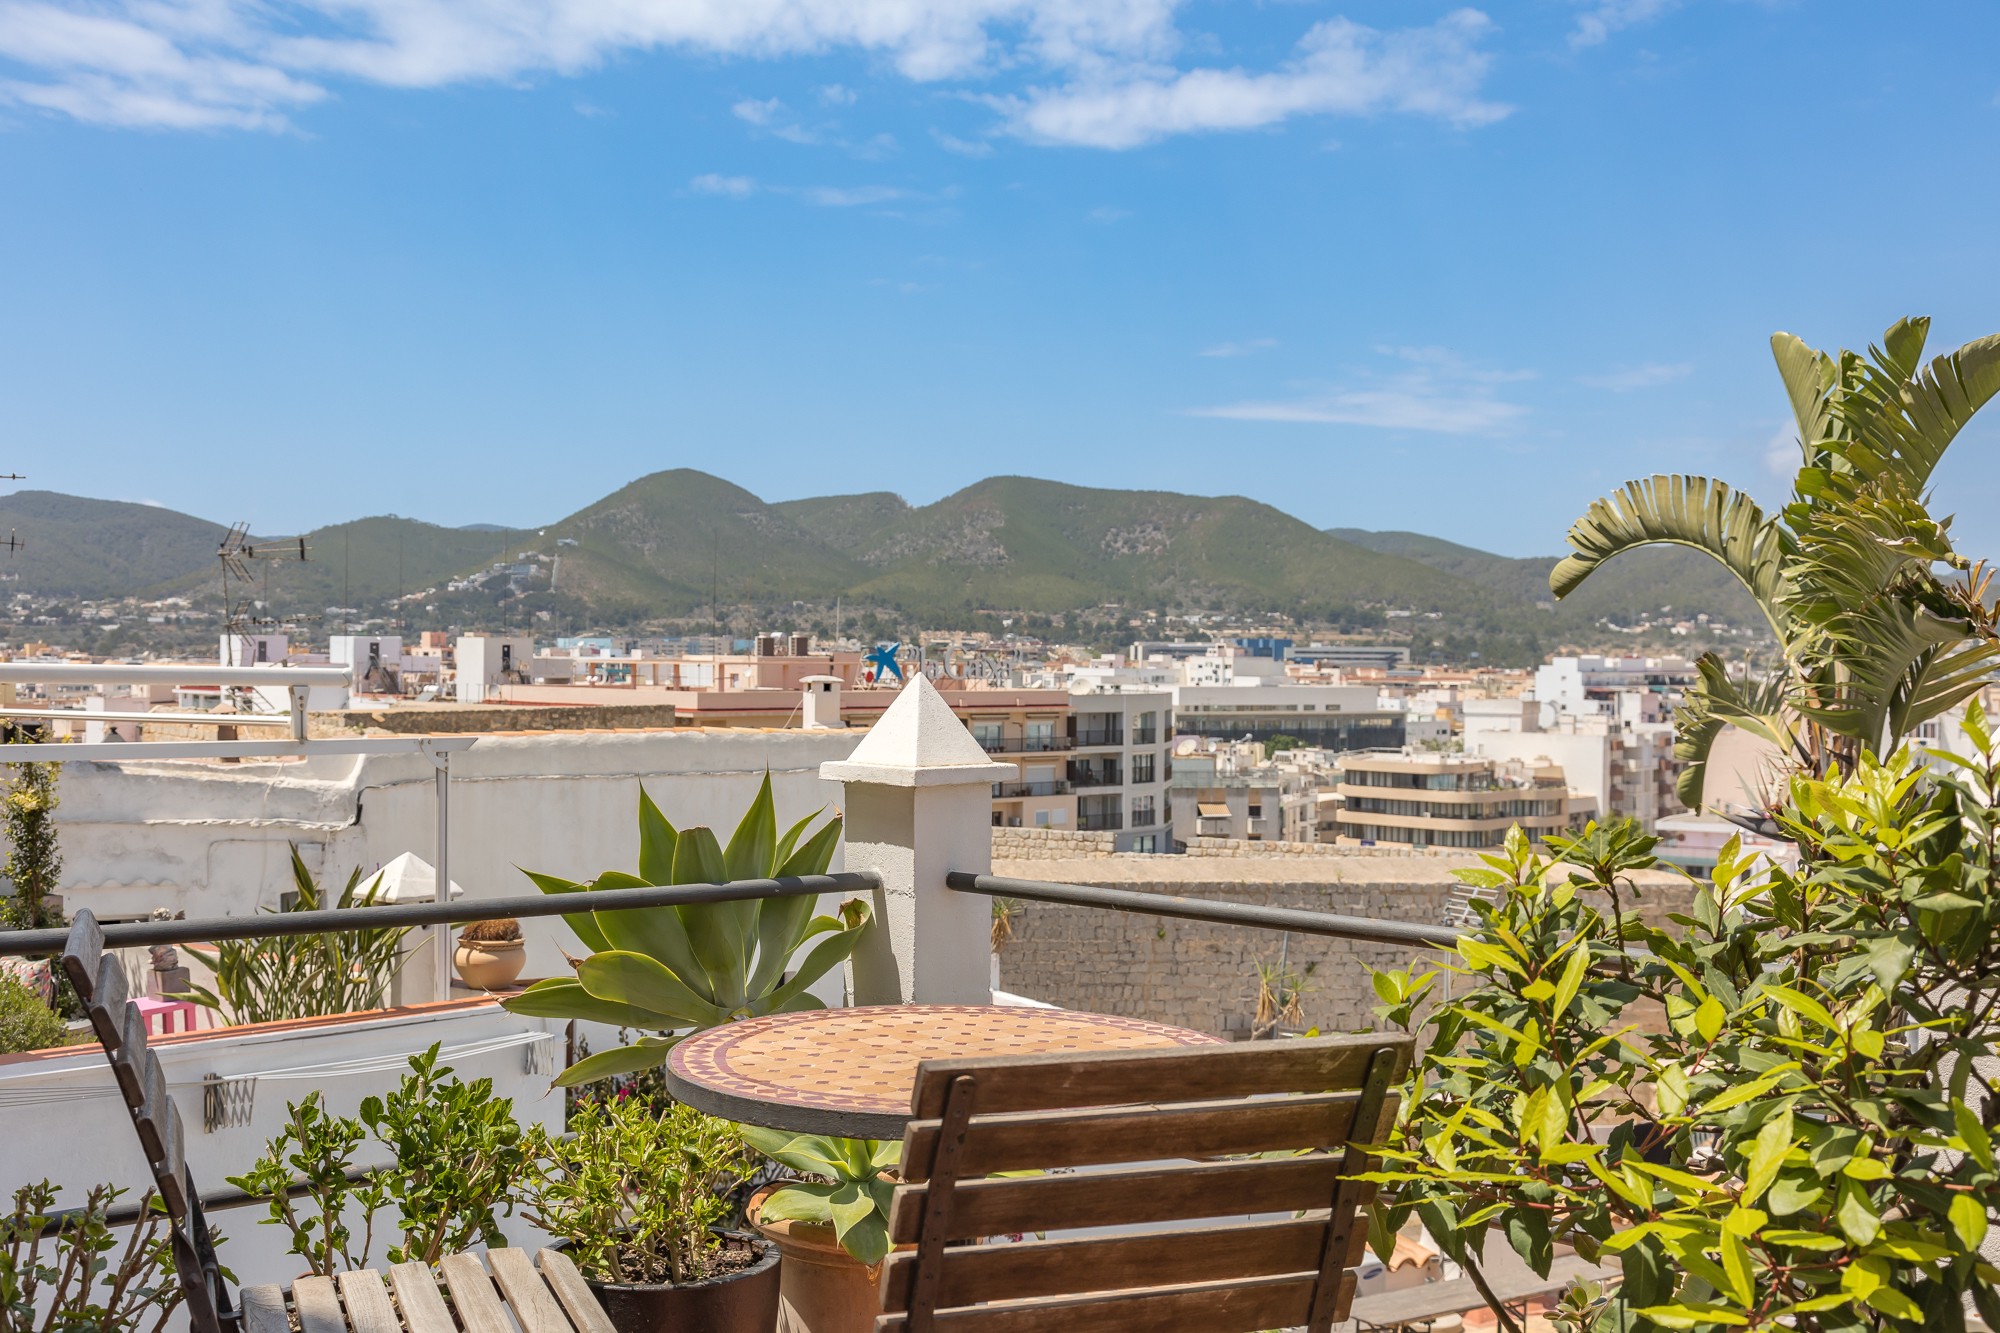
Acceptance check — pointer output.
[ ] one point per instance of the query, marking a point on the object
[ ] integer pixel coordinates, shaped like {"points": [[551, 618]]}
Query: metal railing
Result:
{"points": [[265, 925], [1100, 823], [1366, 929], [1102, 777], [1114, 736], [1015, 790]]}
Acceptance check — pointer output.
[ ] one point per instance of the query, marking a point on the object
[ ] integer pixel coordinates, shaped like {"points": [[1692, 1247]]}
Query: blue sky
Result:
{"points": [[1380, 264]]}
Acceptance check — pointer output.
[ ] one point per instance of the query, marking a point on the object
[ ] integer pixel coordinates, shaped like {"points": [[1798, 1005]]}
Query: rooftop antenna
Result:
{"points": [[235, 553], [13, 542]]}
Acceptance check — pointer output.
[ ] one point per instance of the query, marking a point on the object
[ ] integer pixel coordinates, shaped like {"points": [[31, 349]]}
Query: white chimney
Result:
{"points": [[821, 711]]}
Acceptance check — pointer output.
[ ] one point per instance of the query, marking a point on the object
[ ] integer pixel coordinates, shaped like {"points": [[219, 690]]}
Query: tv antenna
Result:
{"points": [[237, 553], [13, 543]]}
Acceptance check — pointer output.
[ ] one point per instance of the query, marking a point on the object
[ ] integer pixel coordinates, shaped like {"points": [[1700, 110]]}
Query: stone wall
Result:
{"points": [[1238, 847], [1205, 977], [1050, 844]]}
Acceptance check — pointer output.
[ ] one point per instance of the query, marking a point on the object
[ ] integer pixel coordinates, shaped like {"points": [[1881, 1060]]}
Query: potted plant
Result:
{"points": [[832, 1227], [666, 969], [490, 954], [637, 1195]]}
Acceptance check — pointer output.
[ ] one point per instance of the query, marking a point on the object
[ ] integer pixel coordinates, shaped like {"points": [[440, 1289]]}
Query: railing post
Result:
{"points": [[920, 805]]}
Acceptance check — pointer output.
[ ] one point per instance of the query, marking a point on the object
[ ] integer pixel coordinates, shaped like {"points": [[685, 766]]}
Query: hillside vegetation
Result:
{"points": [[669, 544]]}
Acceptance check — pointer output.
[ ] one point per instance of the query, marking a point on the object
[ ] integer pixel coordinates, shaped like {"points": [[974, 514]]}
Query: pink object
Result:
{"points": [[165, 1010]]}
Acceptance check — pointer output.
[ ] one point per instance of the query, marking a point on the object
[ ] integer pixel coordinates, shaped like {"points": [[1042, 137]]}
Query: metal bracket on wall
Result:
{"points": [[226, 1102]]}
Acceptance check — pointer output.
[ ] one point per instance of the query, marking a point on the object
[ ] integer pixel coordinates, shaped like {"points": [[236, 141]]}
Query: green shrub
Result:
{"points": [[1809, 1144], [27, 1024]]}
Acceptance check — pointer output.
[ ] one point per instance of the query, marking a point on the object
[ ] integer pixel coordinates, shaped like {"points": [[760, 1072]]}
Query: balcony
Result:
{"points": [[1099, 737], [1025, 744], [1013, 791], [1080, 776], [1105, 822]]}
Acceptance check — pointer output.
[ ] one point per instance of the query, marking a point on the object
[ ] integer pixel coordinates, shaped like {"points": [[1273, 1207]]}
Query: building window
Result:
{"points": [[1144, 813], [1147, 843], [1146, 729], [987, 734], [1142, 768]]}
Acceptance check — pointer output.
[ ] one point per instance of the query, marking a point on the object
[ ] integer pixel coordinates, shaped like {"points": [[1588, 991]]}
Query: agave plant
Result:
{"points": [[1881, 623], [851, 1189], [684, 968]]}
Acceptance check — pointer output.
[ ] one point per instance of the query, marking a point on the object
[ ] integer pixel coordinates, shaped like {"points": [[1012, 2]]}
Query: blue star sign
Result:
{"points": [[883, 659]]}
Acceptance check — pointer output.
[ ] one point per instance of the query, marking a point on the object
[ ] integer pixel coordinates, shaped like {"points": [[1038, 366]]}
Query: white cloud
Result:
{"points": [[951, 143], [733, 187], [1650, 375], [1439, 393], [1341, 68], [1105, 215], [852, 196], [756, 112], [1604, 17], [1248, 347], [1099, 72]]}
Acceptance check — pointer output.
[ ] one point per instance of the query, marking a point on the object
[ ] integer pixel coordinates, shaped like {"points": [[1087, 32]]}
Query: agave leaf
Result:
{"points": [[783, 852], [565, 997], [825, 956], [717, 932], [781, 929], [636, 980], [656, 842], [816, 855], [658, 933], [641, 1056], [748, 855], [799, 1201], [814, 1154], [582, 923]]}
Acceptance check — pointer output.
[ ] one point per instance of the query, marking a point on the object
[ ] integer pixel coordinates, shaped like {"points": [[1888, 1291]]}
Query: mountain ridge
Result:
{"points": [[673, 542]]}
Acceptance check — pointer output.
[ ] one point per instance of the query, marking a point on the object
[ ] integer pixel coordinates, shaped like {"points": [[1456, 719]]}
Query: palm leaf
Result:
{"points": [[1714, 704], [1808, 375], [1695, 512]]}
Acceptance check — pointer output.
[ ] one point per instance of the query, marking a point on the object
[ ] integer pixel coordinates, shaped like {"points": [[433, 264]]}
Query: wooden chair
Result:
{"points": [[548, 1296], [1271, 1127]]}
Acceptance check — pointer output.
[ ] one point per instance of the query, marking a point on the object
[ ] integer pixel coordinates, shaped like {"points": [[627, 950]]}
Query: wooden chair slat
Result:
{"points": [[82, 950], [174, 1192], [424, 1311], [155, 1107], [128, 1060], [367, 1302], [1197, 1073], [106, 1006], [1047, 1139], [975, 1273], [472, 1295], [534, 1308], [318, 1306], [173, 1141], [264, 1310], [1124, 1197], [560, 1272], [1224, 1307]]}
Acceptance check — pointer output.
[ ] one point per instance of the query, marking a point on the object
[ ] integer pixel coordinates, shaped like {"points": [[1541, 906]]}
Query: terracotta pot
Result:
{"points": [[822, 1288], [489, 964], [745, 1301]]}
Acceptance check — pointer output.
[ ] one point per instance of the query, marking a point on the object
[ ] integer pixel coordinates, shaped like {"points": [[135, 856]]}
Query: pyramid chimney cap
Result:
{"points": [[918, 742]]}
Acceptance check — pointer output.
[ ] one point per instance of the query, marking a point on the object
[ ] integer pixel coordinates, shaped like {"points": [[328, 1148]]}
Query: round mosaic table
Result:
{"points": [[851, 1072]]}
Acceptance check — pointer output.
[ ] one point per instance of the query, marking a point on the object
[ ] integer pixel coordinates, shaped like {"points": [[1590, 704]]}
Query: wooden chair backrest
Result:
{"points": [[99, 980], [1272, 1127]]}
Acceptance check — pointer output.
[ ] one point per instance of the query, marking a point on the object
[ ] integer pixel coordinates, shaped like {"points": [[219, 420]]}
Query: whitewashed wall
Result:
{"points": [[212, 839]]}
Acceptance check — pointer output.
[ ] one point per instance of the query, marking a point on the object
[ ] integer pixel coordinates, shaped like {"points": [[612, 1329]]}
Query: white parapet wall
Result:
{"points": [[61, 1118], [212, 839]]}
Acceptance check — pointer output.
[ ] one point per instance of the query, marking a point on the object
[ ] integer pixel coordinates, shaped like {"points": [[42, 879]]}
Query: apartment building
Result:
{"points": [[1228, 789], [1454, 800], [1118, 762]]}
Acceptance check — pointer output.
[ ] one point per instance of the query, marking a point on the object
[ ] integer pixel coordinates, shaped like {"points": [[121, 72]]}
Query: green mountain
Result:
{"points": [[1016, 543], [1636, 585], [76, 547], [667, 544]]}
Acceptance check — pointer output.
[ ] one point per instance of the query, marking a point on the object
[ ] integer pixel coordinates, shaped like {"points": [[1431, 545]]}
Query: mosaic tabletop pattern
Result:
{"points": [[859, 1065]]}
